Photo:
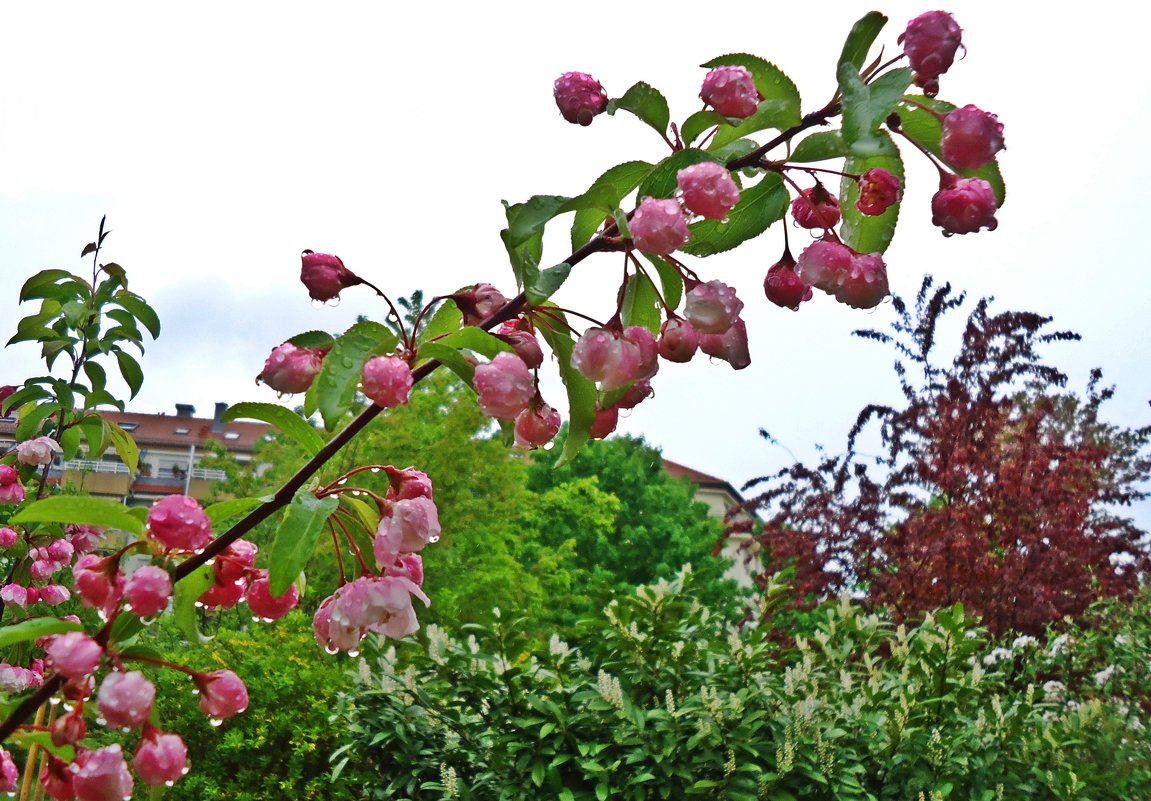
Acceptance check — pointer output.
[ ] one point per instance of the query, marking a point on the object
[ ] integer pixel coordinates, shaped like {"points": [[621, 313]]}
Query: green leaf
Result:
{"points": [[860, 39], [862, 232], [450, 358], [341, 369], [79, 509], [699, 122], [925, 129], [286, 420], [477, 340], [225, 513], [661, 181], [296, 538], [313, 339], [32, 419], [34, 629], [69, 443], [759, 207], [820, 146], [46, 284], [130, 369], [444, 320], [28, 394], [581, 392], [547, 283], [95, 436], [184, 597], [141, 310], [607, 191], [670, 280], [125, 628], [525, 256], [126, 447], [865, 107], [645, 102], [641, 304], [43, 739], [525, 220]]}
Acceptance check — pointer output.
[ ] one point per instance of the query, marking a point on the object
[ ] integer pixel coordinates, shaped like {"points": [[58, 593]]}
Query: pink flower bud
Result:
{"points": [[816, 208], [605, 423], [10, 490], [223, 595], [74, 654], [866, 283], [14, 595], [783, 287], [536, 426], [639, 392], [708, 189], [971, 137], [42, 570], [125, 699], [334, 636], [161, 758], [39, 452], [658, 227], [235, 561], [98, 581], [479, 303], [6, 392], [325, 275], [148, 590], [731, 345], [930, 42], [646, 349], [711, 308], [730, 91], [387, 381], [580, 97], [8, 475], [70, 728], [678, 340], [263, 604], [964, 205], [222, 694], [179, 524], [408, 483], [825, 264], [291, 369], [56, 777], [9, 774], [84, 538], [504, 385], [878, 190], [409, 526], [103, 776], [409, 566], [524, 343], [54, 594]]}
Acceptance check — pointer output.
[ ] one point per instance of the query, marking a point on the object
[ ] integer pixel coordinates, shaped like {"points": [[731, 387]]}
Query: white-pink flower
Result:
{"points": [[39, 451], [504, 385]]}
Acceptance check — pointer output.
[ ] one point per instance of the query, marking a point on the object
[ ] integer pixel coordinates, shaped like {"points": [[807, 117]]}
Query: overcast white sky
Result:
{"points": [[223, 138]]}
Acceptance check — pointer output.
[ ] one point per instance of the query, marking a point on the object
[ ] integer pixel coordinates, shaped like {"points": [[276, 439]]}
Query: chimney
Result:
{"points": [[185, 410], [217, 423]]}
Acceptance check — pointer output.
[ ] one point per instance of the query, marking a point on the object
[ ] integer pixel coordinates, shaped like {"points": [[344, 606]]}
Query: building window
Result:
{"points": [[183, 431], [231, 435]]}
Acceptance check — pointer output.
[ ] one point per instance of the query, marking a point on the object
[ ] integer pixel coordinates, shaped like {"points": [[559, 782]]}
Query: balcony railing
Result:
{"points": [[165, 476], [93, 466]]}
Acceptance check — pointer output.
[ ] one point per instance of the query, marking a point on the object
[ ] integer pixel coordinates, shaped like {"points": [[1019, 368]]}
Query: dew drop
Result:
{"points": [[374, 470], [267, 620], [215, 722], [317, 304], [255, 619], [725, 221], [348, 363], [184, 770], [196, 691], [198, 605], [342, 482], [55, 700], [549, 445], [353, 653], [169, 783], [948, 234], [100, 721], [331, 651], [434, 539]]}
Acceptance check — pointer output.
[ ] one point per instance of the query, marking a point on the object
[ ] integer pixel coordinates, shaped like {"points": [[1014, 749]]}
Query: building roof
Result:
{"points": [[701, 479]]}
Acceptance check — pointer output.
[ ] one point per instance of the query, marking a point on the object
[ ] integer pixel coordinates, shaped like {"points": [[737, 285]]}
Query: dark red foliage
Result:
{"points": [[997, 489]]}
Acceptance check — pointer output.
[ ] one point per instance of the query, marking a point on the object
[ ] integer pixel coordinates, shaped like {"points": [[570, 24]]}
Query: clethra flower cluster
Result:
{"points": [[382, 603]]}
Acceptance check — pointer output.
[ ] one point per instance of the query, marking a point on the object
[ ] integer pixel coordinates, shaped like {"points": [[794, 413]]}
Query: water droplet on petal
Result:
{"points": [[330, 650], [353, 653], [215, 722], [317, 304]]}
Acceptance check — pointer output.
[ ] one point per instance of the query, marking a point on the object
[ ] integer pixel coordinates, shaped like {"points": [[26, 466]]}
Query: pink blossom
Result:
{"points": [[148, 590], [263, 604], [380, 604], [580, 97], [17, 679], [408, 483], [56, 777], [407, 527], [678, 340], [640, 391], [325, 276], [222, 694], [878, 190], [711, 308], [161, 758], [54, 594], [523, 342], [730, 91], [930, 42], [616, 358], [74, 654], [9, 773], [291, 369], [658, 227], [783, 286], [84, 538], [125, 699], [98, 581], [179, 524], [387, 381], [103, 776], [223, 594], [235, 561], [10, 489], [971, 137], [504, 385], [708, 189], [39, 451], [964, 206], [816, 208], [70, 728], [409, 566], [536, 426], [14, 595], [825, 264], [479, 303], [731, 345], [866, 284], [605, 422]]}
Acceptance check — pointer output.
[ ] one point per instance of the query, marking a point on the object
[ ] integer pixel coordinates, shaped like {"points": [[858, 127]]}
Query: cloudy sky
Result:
{"points": [[223, 138]]}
